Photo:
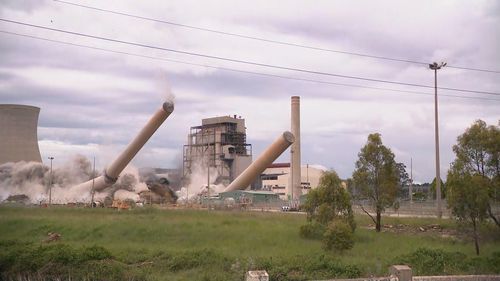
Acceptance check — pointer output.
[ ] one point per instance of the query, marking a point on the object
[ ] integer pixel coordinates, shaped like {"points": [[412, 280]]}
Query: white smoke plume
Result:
{"points": [[165, 91], [198, 183], [33, 180]]}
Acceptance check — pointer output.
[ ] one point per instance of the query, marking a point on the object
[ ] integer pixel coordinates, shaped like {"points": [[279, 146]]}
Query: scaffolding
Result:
{"points": [[217, 146]]}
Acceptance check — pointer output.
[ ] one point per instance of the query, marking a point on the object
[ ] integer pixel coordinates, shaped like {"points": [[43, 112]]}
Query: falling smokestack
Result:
{"points": [[261, 163], [113, 171], [295, 187]]}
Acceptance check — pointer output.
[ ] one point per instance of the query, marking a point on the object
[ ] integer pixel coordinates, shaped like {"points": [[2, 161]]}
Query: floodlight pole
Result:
{"points": [[435, 66], [410, 190], [307, 174], [50, 182], [93, 182]]}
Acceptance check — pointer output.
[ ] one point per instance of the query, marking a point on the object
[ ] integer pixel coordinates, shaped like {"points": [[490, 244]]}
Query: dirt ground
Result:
{"points": [[430, 229]]}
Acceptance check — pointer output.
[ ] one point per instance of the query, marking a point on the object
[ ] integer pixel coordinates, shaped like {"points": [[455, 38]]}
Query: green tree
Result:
{"points": [[468, 198], [478, 153], [329, 201], [376, 176], [432, 189], [404, 180]]}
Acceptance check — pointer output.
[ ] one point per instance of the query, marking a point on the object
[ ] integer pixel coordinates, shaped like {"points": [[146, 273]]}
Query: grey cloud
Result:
{"points": [[19, 52], [77, 116], [27, 6]]}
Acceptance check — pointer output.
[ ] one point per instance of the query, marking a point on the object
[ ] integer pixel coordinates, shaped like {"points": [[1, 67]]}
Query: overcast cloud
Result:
{"points": [[93, 102]]}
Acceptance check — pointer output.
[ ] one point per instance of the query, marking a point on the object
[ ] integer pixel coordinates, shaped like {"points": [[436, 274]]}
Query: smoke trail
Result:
{"points": [[165, 90], [33, 179], [27, 178], [198, 183]]}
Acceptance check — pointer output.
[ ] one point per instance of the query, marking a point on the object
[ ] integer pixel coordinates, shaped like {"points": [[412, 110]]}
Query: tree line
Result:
{"points": [[471, 188]]}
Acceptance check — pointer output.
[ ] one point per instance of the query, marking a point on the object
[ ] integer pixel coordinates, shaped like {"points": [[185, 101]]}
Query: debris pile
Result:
{"points": [[52, 237]]}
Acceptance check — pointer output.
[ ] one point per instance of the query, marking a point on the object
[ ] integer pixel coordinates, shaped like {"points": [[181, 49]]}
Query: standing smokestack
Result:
{"points": [[113, 171], [295, 187], [261, 163]]}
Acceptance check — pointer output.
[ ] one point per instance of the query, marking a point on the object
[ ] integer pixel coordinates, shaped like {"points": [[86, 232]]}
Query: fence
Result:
{"points": [[415, 209]]}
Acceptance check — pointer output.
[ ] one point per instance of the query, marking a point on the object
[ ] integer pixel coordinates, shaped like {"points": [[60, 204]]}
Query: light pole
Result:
{"points": [[307, 174], [435, 66], [410, 190], [93, 183], [50, 182]]}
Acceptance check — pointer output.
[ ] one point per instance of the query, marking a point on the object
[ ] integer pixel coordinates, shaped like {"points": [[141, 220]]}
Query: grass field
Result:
{"points": [[153, 244]]}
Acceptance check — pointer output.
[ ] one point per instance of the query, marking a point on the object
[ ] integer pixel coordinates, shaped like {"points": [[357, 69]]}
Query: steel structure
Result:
{"points": [[218, 144]]}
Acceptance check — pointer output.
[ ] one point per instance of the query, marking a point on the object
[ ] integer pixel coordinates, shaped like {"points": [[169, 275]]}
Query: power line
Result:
{"points": [[268, 40], [246, 62], [237, 70]]}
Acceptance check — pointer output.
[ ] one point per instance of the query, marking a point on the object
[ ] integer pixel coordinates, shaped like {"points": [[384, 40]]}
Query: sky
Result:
{"points": [[94, 100]]}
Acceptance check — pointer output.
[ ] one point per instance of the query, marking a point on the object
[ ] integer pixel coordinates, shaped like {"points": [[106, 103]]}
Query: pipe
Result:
{"points": [[112, 172], [261, 163], [295, 187]]}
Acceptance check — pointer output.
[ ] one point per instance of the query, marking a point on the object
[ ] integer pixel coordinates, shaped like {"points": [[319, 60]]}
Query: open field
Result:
{"points": [[153, 244]]}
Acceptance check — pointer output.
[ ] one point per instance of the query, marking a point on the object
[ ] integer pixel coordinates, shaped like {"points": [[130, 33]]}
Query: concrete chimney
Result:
{"points": [[261, 163], [113, 171], [295, 187]]}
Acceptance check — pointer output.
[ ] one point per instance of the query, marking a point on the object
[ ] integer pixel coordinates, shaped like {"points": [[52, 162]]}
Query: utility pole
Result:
{"points": [[307, 174], [435, 66], [410, 190], [208, 170], [291, 178], [50, 183], [93, 180], [208, 180]]}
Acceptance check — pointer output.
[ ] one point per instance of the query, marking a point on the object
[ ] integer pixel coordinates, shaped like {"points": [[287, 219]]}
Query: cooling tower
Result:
{"points": [[18, 133]]}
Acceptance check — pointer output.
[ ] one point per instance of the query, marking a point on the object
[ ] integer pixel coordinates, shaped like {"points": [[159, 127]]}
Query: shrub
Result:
{"points": [[338, 236], [485, 265], [94, 253], [307, 268], [55, 259], [312, 230], [329, 201], [425, 261], [193, 259]]}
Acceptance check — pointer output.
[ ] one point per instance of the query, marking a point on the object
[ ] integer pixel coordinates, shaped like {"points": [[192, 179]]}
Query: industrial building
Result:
{"points": [[219, 144], [276, 178], [250, 196], [18, 133]]}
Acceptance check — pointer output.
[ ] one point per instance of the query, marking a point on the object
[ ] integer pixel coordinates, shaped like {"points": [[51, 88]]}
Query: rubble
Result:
{"points": [[52, 237], [18, 198]]}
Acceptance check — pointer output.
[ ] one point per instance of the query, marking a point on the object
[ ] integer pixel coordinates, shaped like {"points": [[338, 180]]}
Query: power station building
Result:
{"points": [[276, 178], [219, 144], [18, 133]]}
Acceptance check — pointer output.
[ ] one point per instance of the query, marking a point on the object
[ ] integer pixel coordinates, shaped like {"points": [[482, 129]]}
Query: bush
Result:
{"points": [[312, 230], [307, 268], [425, 261], [55, 259], [94, 253], [194, 259], [338, 236], [329, 201], [485, 265]]}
